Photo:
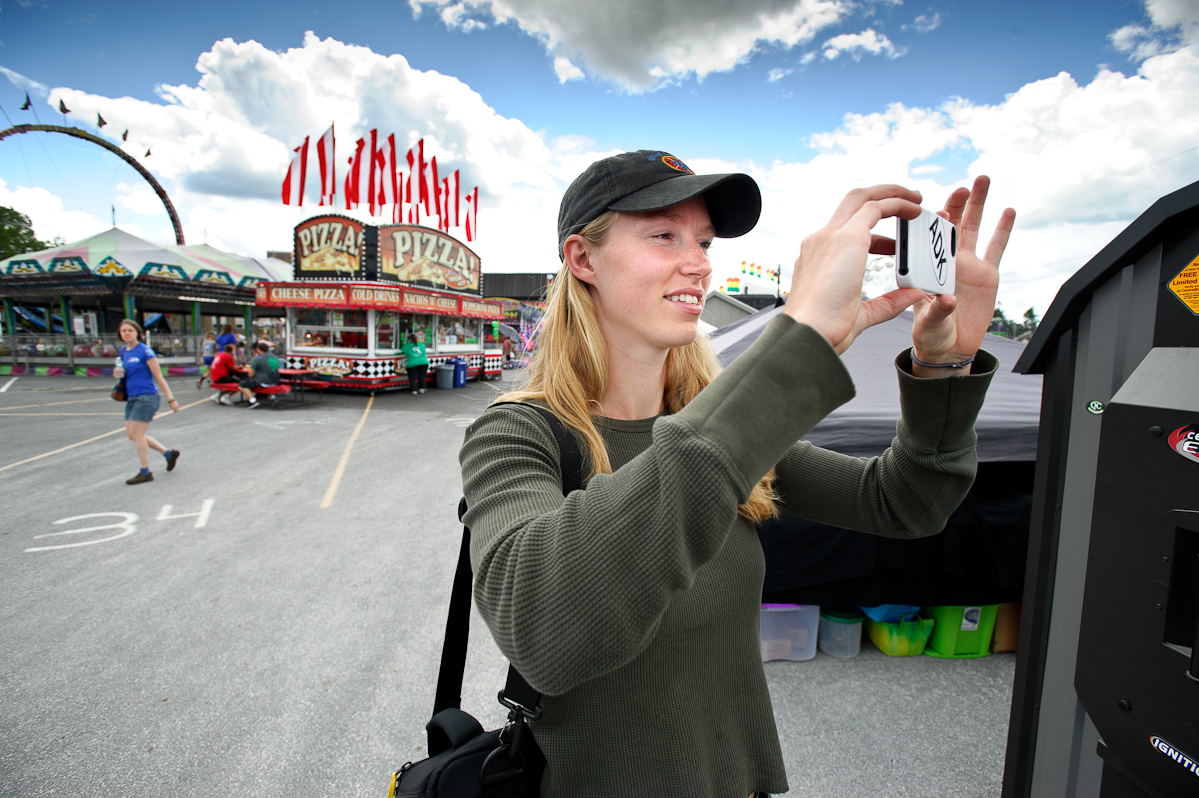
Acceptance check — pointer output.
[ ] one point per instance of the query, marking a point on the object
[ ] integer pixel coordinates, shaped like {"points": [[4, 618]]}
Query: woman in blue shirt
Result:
{"points": [[139, 366], [227, 337]]}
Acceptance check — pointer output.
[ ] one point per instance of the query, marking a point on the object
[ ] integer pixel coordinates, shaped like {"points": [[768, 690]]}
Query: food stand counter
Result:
{"points": [[350, 333]]}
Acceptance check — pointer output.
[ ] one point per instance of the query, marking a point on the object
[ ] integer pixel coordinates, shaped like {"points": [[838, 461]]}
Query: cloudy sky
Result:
{"points": [[1083, 113]]}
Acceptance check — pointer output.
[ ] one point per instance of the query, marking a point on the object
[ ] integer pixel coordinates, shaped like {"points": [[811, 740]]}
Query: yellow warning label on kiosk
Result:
{"points": [[1186, 286]]}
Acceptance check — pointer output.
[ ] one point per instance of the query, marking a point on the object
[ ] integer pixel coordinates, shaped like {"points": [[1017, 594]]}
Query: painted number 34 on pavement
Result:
{"points": [[124, 526]]}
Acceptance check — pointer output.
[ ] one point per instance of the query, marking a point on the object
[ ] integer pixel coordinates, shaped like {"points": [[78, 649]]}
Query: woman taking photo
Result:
{"points": [[633, 604], [143, 377]]}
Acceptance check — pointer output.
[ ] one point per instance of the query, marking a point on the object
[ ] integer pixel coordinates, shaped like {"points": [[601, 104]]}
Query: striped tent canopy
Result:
{"points": [[117, 255]]}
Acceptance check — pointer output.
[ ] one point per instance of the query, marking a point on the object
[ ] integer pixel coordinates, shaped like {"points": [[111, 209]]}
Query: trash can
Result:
{"points": [[460, 364], [445, 375]]}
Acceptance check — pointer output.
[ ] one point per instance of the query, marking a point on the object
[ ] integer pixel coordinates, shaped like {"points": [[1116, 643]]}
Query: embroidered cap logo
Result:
{"points": [[676, 164]]}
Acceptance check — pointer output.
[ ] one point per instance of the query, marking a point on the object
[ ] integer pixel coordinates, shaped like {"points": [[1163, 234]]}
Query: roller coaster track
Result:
{"points": [[129, 159]]}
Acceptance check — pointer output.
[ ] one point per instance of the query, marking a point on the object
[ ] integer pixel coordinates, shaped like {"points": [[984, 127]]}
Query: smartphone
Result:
{"points": [[926, 251]]}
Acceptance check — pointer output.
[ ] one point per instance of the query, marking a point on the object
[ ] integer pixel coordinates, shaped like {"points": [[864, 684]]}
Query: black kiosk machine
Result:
{"points": [[1106, 698]]}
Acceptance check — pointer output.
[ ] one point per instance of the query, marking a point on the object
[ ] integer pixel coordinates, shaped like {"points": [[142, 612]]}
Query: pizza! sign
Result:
{"points": [[328, 246], [422, 256]]}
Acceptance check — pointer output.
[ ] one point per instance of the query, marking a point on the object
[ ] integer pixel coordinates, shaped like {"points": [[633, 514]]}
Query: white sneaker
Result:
{"points": [[422, 390], [223, 400], [216, 398]]}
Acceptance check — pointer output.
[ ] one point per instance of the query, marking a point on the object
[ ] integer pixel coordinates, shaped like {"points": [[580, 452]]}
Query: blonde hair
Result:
{"points": [[569, 371]]}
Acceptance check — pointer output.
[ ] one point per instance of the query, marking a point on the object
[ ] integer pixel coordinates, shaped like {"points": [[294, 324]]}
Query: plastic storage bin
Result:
{"points": [[460, 364], [962, 632], [891, 613], [789, 631], [445, 376], [906, 638], [840, 633]]}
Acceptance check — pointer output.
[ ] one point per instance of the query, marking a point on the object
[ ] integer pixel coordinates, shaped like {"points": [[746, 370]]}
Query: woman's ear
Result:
{"points": [[578, 259]]}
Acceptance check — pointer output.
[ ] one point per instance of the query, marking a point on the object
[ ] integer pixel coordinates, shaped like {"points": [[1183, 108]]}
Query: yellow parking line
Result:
{"points": [[81, 443], [345, 457]]}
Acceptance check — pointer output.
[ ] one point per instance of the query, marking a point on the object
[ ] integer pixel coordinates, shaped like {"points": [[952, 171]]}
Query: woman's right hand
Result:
{"points": [[826, 290], [118, 372]]}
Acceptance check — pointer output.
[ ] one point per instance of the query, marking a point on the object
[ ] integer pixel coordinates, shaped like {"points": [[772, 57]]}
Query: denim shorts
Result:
{"points": [[141, 407]]}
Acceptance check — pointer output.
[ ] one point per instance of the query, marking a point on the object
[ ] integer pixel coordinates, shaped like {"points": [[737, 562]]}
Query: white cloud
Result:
{"points": [[777, 74], [925, 23], [47, 215], [566, 70], [23, 83], [1078, 162], [1173, 24], [868, 42], [221, 147], [643, 44]]}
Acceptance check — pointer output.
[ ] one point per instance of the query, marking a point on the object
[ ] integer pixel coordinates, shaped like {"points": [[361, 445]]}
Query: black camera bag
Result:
{"points": [[464, 760]]}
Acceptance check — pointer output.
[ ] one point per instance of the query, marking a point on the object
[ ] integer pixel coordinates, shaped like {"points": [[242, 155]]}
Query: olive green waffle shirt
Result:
{"points": [[633, 605]]}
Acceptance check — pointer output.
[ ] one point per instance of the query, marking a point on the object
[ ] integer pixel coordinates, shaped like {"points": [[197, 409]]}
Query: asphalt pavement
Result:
{"points": [[266, 620]]}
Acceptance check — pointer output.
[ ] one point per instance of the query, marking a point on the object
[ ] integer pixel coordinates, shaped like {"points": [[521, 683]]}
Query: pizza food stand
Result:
{"points": [[360, 290]]}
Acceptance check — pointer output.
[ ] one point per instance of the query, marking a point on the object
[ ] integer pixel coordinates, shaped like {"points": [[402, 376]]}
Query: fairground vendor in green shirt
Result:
{"points": [[416, 362], [633, 604]]}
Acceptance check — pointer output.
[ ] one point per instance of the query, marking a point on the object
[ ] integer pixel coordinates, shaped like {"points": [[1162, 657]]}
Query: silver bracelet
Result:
{"points": [[961, 365]]}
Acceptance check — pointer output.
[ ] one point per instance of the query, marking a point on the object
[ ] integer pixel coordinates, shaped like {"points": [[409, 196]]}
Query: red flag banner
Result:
{"points": [[367, 189], [433, 190], [326, 155], [422, 180], [445, 204], [293, 183], [412, 201], [472, 214], [385, 173], [351, 185]]}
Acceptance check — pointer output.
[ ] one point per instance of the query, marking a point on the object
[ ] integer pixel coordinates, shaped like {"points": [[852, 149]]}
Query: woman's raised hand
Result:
{"points": [[826, 290], [950, 328]]}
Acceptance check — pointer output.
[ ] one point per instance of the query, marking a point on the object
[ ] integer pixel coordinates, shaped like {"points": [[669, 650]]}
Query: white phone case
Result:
{"points": [[926, 254]]}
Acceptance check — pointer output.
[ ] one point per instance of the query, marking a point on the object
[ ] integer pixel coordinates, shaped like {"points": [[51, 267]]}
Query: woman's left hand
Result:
{"points": [[174, 404], [949, 328]]}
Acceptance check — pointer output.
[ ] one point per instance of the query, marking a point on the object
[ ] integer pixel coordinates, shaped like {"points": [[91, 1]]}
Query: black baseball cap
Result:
{"points": [[649, 180]]}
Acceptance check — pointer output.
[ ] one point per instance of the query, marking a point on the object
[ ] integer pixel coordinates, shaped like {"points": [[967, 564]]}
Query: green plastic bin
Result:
{"points": [[961, 632]]}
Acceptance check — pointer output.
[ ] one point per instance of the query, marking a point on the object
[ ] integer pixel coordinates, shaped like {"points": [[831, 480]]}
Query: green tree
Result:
{"points": [[16, 234], [999, 323], [1030, 320]]}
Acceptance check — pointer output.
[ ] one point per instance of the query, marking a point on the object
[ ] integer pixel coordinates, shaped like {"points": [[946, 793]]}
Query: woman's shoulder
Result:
{"points": [[517, 418]]}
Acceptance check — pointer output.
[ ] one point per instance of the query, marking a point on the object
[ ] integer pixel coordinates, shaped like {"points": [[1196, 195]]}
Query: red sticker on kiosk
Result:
{"points": [[1185, 441]]}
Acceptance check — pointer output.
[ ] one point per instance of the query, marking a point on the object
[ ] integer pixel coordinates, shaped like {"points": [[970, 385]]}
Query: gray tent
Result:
{"points": [[1007, 425]]}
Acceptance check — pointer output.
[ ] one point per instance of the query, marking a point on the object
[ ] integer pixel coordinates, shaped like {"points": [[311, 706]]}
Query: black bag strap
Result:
{"points": [[457, 626]]}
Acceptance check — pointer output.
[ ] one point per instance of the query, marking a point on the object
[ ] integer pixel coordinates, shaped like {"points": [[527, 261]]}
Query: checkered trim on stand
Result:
{"points": [[374, 368]]}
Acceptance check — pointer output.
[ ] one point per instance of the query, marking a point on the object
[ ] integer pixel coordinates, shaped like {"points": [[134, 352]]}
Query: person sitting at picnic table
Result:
{"points": [[227, 337], [262, 372], [223, 375]]}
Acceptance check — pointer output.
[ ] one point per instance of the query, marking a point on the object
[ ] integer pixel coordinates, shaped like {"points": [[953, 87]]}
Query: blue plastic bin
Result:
{"points": [[460, 364], [888, 613]]}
